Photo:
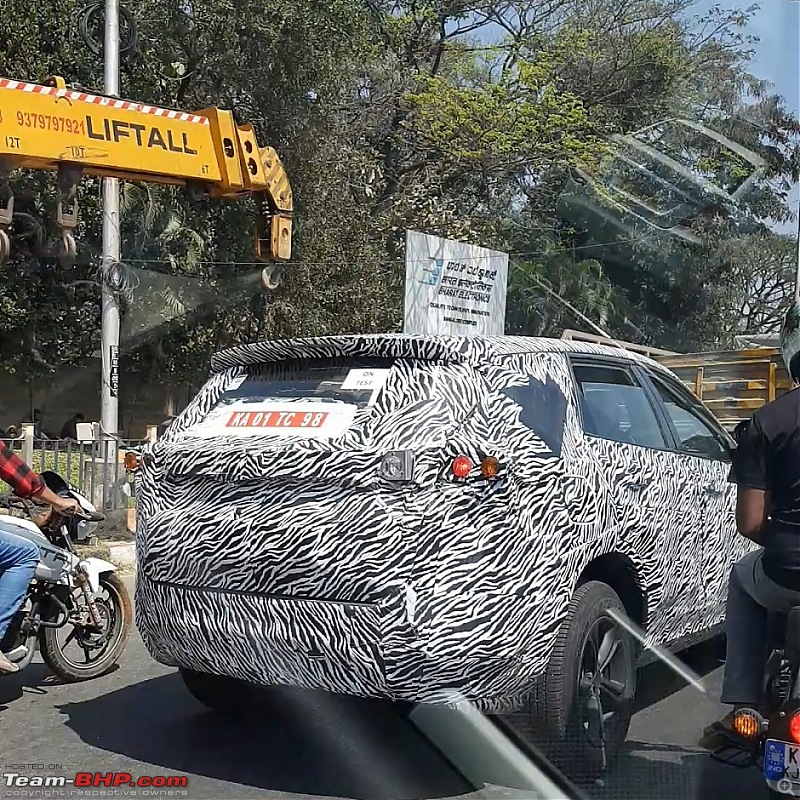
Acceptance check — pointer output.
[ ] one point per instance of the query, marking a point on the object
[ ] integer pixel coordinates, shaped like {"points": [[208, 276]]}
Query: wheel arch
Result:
{"points": [[620, 573]]}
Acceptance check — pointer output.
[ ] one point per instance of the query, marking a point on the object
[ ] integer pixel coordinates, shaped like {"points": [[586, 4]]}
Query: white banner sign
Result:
{"points": [[454, 288]]}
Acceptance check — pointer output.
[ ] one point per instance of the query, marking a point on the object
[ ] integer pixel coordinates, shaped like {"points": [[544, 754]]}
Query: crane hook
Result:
{"points": [[5, 247], [67, 250], [271, 277]]}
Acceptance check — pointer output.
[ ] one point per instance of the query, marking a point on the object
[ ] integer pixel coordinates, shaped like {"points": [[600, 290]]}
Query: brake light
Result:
{"points": [[794, 727], [131, 461], [462, 466]]}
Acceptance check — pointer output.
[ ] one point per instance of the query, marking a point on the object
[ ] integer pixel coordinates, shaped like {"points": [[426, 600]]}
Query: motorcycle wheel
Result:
{"points": [[110, 647]]}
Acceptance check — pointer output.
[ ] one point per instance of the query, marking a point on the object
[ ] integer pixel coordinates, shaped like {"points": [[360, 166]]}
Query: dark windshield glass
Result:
{"points": [[346, 380]]}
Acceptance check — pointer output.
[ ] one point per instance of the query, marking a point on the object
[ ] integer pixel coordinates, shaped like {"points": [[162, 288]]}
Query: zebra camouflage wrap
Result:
{"points": [[296, 561]]}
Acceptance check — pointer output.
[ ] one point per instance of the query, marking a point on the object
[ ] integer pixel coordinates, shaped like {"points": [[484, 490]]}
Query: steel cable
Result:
{"points": [[129, 37]]}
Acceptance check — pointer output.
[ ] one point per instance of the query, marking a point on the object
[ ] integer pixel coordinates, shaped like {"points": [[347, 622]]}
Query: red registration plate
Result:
{"points": [[277, 419]]}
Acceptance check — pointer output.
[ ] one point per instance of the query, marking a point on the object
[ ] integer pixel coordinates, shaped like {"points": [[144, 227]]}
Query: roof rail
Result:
{"points": [[580, 336]]}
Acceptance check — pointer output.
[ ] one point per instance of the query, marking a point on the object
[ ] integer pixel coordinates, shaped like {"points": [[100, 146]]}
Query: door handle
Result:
{"points": [[638, 485], [710, 488]]}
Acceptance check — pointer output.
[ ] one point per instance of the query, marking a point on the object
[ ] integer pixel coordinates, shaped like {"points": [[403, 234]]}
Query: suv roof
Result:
{"points": [[465, 349]]}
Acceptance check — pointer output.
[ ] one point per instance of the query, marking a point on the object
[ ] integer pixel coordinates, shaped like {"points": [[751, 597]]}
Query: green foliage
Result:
{"points": [[497, 127], [394, 115]]}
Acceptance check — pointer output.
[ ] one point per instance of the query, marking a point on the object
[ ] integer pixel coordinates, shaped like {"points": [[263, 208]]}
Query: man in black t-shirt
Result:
{"points": [[766, 470]]}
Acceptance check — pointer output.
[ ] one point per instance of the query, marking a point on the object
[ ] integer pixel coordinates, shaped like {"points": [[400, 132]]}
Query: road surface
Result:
{"points": [[140, 720]]}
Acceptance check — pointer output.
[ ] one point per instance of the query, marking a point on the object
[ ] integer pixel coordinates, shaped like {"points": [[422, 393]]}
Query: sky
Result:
{"points": [[777, 24]]}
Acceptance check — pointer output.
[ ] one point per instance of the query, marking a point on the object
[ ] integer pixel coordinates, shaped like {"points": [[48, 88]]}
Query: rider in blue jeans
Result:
{"points": [[18, 556]]}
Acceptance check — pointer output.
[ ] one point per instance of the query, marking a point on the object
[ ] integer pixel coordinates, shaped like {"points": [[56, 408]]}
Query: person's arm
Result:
{"points": [[27, 484], [749, 472], [752, 513]]}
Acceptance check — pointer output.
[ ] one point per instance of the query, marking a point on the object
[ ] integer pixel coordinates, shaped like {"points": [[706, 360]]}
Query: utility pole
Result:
{"points": [[797, 266], [109, 332]]}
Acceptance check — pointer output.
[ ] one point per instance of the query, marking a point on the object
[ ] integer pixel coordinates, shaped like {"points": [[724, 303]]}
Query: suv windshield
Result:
{"points": [[380, 402]]}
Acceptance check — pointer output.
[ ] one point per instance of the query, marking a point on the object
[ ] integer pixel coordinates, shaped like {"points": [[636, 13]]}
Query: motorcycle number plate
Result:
{"points": [[782, 767]]}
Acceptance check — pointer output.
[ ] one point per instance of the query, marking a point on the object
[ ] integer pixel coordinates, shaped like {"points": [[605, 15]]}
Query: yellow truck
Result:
{"points": [[73, 132], [732, 383]]}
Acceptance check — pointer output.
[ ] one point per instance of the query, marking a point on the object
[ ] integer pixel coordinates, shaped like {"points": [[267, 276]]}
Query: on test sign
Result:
{"points": [[454, 288]]}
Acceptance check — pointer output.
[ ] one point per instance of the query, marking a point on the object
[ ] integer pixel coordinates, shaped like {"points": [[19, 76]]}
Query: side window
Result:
{"points": [[695, 435], [615, 406], [543, 408]]}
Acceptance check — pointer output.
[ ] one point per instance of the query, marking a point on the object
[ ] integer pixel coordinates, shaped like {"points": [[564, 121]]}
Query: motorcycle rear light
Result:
{"points": [[462, 466], [794, 727], [490, 466], [748, 723]]}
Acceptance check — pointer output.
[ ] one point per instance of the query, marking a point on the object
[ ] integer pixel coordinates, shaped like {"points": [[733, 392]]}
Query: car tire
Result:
{"points": [[565, 699], [220, 693]]}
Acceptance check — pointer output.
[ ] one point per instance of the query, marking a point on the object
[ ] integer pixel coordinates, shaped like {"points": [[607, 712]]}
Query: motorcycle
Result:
{"points": [[771, 741], [83, 596]]}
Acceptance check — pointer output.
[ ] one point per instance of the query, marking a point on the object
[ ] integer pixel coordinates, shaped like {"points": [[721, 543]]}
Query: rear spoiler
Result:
{"points": [[378, 345]]}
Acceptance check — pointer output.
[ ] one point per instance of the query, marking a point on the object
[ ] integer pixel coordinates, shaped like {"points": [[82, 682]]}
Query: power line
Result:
{"points": [[402, 261]]}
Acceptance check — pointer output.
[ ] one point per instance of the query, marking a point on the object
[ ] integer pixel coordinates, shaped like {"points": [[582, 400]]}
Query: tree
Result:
{"points": [[661, 290], [279, 70], [395, 115], [754, 298]]}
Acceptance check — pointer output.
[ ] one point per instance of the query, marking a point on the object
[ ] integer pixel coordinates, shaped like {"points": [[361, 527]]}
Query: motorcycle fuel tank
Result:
{"points": [[53, 561]]}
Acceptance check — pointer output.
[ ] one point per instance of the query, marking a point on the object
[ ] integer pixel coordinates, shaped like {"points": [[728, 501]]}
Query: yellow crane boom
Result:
{"points": [[74, 133]]}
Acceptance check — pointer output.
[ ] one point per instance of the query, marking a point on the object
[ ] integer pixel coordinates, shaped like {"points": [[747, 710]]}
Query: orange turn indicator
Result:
{"points": [[490, 466], [747, 723]]}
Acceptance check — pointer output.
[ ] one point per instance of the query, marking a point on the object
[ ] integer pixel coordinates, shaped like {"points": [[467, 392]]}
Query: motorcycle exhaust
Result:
{"points": [[22, 655], [17, 654]]}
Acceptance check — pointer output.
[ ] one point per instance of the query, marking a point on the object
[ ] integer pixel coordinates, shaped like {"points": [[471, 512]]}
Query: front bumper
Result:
{"points": [[361, 649]]}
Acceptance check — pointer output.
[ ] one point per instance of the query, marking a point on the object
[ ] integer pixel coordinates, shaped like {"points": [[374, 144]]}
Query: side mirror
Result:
{"points": [[727, 444]]}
